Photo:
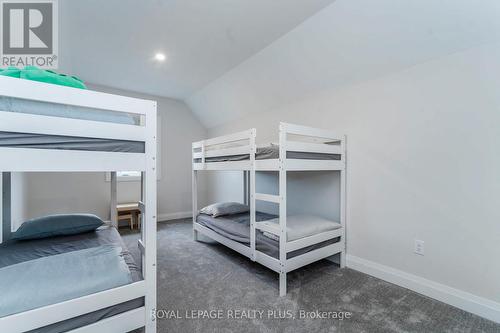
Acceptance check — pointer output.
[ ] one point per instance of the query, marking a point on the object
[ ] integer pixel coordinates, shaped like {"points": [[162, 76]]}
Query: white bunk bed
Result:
{"points": [[300, 148], [51, 128]]}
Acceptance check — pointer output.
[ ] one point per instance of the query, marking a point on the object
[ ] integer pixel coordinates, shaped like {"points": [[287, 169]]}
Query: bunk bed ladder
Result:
{"points": [[201, 145], [113, 212], [195, 202]]}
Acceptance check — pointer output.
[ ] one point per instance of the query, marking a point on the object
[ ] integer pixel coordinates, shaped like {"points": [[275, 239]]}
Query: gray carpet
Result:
{"points": [[208, 276]]}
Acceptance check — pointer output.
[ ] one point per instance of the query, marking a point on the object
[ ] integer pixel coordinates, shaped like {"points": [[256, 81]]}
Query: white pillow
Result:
{"points": [[300, 226], [224, 208]]}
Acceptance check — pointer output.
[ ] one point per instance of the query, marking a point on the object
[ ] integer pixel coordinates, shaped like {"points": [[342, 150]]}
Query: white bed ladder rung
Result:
{"points": [[267, 197]]}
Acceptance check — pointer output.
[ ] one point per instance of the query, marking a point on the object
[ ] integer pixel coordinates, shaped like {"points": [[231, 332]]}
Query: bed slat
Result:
{"points": [[48, 125], [54, 160], [268, 261], [313, 147], [312, 165], [311, 240], [29, 320], [123, 322], [310, 257], [243, 150]]}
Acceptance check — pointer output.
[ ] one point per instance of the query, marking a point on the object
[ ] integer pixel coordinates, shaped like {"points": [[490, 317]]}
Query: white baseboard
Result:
{"points": [[463, 300], [174, 216]]}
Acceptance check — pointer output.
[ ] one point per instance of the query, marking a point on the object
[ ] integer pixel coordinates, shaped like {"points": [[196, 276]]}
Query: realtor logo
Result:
{"points": [[29, 33]]}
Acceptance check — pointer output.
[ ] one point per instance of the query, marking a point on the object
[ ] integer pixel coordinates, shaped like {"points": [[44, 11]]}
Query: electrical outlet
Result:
{"points": [[419, 247]]}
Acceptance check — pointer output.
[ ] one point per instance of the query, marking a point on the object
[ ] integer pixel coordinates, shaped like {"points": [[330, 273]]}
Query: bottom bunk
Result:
{"points": [[236, 227], [69, 256]]}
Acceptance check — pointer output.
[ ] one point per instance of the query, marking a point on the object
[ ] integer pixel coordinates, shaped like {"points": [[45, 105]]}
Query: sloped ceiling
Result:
{"points": [[113, 42], [347, 42], [228, 58]]}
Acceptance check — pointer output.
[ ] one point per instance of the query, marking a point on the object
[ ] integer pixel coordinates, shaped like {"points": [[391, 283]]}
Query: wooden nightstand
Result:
{"points": [[129, 211]]}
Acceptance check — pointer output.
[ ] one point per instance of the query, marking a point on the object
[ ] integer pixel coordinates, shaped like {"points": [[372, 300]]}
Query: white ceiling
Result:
{"points": [[348, 42], [112, 42], [228, 58]]}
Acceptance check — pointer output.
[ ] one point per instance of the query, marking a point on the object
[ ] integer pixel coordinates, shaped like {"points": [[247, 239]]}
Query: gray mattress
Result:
{"points": [[237, 228], [41, 141], [13, 252], [272, 152], [26, 140], [11, 104]]}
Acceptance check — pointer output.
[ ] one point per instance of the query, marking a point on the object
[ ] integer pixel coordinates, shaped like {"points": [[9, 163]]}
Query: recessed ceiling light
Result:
{"points": [[160, 57]]}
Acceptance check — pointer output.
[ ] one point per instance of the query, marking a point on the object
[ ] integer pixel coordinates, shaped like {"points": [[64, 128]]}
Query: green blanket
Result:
{"points": [[41, 75]]}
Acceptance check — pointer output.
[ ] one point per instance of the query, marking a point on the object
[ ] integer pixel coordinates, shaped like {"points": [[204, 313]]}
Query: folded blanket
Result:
{"points": [[53, 279]]}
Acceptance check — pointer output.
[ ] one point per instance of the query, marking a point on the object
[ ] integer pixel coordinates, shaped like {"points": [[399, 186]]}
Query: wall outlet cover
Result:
{"points": [[419, 247]]}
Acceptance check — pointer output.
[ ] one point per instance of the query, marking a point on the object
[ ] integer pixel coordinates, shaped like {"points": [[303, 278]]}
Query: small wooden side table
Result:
{"points": [[129, 211]]}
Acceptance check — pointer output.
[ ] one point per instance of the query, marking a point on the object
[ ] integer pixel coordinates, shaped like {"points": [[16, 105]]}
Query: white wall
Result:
{"points": [[348, 42], [423, 164], [48, 193]]}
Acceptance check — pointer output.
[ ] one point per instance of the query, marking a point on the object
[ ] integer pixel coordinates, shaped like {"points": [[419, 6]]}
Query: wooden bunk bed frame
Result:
{"points": [[54, 160], [243, 143]]}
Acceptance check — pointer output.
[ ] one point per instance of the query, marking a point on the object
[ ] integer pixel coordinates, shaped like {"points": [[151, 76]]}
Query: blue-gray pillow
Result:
{"points": [[57, 225], [224, 208]]}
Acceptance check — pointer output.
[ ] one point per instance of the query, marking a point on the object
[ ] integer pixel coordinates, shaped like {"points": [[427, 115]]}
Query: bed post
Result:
{"points": [[148, 231], [194, 184], [282, 207], [195, 202], [112, 209], [251, 177], [343, 202], [6, 206], [246, 196]]}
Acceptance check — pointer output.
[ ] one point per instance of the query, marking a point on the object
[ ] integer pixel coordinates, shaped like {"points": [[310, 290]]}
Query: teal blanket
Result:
{"points": [[37, 74], [53, 279]]}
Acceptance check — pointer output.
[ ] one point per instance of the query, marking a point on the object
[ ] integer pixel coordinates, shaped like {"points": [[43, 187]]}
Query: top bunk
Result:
{"points": [[299, 148], [47, 127]]}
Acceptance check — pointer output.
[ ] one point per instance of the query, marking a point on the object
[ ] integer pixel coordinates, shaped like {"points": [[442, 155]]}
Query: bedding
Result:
{"points": [[272, 152], [37, 74], [11, 104], [237, 227], [57, 225], [14, 252], [58, 278], [224, 208], [300, 226], [42, 141]]}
